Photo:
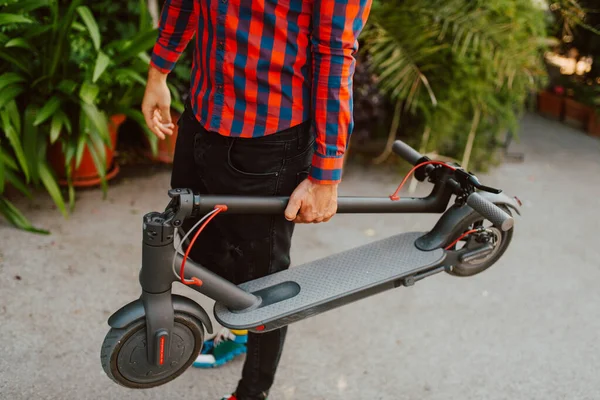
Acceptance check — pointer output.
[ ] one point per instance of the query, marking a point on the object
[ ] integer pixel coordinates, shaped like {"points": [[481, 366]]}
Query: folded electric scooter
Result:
{"points": [[155, 338]]}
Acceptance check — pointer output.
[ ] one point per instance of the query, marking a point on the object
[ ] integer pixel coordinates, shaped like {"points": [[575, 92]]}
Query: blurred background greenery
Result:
{"points": [[450, 77]]}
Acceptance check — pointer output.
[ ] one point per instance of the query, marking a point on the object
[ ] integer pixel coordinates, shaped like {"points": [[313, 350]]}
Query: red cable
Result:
{"points": [[194, 280], [461, 236], [395, 195]]}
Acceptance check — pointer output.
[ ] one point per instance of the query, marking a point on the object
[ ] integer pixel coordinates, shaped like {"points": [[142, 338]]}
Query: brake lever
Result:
{"points": [[467, 178], [475, 182]]}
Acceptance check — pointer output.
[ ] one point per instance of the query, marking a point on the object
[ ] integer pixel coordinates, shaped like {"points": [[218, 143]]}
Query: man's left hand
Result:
{"points": [[312, 202]]}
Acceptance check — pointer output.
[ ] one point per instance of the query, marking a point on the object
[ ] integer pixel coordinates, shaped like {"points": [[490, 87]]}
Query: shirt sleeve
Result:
{"points": [[334, 41], [177, 25]]}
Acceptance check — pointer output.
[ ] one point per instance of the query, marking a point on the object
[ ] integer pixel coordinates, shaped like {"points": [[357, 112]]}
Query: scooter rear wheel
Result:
{"points": [[124, 355], [500, 242]]}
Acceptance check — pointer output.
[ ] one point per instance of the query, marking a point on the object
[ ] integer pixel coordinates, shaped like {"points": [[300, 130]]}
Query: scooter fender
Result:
{"points": [[135, 311], [455, 220]]}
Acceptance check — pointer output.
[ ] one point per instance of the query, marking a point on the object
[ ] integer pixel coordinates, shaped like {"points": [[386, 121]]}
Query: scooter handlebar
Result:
{"points": [[406, 152], [490, 211]]}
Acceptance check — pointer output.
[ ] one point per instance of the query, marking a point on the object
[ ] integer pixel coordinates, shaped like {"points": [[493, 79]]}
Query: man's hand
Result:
{"points": [[156, 105], [312, 202]]}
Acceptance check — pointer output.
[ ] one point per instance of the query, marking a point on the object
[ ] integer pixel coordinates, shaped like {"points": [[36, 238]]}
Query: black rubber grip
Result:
{"points": [[490, 211], [406, 152]]}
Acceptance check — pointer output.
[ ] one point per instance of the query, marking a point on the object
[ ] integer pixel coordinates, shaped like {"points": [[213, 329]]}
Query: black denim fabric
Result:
{"points": [[244, 247]]}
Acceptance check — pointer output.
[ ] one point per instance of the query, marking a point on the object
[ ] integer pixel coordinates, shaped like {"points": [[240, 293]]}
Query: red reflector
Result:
{"points": [[161, 358], [518, 201], [260, 328]]}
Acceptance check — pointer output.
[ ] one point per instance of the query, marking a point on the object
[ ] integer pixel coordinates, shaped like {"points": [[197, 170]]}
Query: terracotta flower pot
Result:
{"points": [[593, 127], [166, 147], [550, 104], [87, 174], [576, 114]]}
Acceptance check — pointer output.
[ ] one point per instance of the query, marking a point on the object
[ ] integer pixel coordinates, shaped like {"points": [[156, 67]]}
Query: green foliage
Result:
{"points": [[577, 26], [60, 81], [457, 66]]}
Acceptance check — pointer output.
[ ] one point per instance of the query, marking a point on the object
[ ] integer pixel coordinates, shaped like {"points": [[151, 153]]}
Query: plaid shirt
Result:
{"points": [[262, 66]]}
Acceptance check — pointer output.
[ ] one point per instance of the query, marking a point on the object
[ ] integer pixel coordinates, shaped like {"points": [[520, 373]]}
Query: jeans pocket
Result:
{"points": [[254, 158]]}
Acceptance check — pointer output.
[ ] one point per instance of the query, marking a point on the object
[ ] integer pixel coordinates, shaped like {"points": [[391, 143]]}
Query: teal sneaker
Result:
{"points": [[221, 349]]}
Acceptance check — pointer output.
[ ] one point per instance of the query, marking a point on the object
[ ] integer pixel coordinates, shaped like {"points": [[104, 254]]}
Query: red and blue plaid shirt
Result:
{"points": [[262, 66]]}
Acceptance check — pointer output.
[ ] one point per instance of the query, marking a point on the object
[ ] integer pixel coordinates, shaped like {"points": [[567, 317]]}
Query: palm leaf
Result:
{"points": [[9, 94], [51, 186], [9, 78], [16, 182], [20, 42], [6, 19], [88, 92], [61, 43], [99, 122], [140, 43], [122, 73], [56, 126], [98, 153], [15, 142], [30, 141], [47, 110], [25, 6], [81, 142], [67, 86], [8, 160], [15, 217], [101, 63], [16, 60], [91, 25]]}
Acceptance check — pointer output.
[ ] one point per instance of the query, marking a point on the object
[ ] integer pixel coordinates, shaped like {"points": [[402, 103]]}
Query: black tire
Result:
{"points": [[129, 344], [470, 269]]}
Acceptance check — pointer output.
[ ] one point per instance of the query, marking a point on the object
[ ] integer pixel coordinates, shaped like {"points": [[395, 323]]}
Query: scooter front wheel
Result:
{"points": [[498, 239], [124, 353]]}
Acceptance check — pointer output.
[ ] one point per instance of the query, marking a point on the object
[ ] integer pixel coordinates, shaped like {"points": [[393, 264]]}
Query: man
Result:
{"points": [[270, 105]]}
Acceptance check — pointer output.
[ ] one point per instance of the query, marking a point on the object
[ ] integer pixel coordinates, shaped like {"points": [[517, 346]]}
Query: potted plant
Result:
{"points": [[459, 73], [117, 69], [58, 124], [118, 20], [46, 99]]}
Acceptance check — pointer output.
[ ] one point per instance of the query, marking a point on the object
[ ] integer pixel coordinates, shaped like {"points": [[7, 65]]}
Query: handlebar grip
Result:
{"points": [[406, 152], [490, 211]]}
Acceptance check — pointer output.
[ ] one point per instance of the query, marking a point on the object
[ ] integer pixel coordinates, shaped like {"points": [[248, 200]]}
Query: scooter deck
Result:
{"points": [[309, 289]]}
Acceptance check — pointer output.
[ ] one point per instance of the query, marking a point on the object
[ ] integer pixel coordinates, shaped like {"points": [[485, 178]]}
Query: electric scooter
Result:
{"points": [[155, 338]]}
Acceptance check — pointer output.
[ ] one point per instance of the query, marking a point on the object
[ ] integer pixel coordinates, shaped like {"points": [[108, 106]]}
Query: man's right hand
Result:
{"points": [[156, 105]]}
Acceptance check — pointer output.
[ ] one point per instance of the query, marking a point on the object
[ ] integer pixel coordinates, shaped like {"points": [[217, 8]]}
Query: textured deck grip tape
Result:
{"points": [[336, 276]]}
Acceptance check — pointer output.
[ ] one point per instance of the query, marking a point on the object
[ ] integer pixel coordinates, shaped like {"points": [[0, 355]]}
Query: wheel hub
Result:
{"points": [[492, 236], [133, 361]]}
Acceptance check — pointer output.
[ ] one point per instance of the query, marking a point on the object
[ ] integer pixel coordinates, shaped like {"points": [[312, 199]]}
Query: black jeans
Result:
{"points": [[244, 247]]}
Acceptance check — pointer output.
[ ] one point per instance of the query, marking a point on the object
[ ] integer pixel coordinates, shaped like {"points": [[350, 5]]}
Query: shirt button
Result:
{"points": [[223, 1], [221, 46]]}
